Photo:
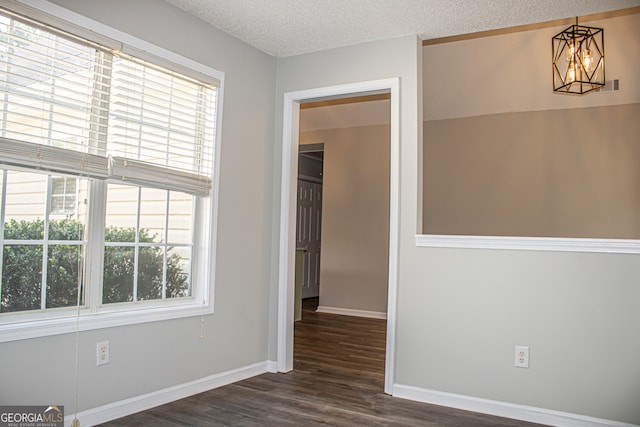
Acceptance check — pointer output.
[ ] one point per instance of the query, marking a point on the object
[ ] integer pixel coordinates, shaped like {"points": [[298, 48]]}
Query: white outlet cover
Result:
{"points": [[102, 353], [521, 357]]}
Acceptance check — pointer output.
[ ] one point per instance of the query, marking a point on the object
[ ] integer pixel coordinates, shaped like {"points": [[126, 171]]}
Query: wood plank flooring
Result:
{"points": [[337, 380]]}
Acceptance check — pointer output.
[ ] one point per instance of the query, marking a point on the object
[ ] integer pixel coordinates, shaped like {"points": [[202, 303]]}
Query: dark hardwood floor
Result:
{"points": [[337, 380]]}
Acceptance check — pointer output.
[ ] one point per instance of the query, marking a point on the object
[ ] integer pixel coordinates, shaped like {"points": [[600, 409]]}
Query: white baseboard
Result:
{"points": [[135, 404], [502, 409], [352, 312]]}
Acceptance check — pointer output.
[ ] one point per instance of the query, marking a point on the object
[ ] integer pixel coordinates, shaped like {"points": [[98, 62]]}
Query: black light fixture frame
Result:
{"points": [[582, 80]]}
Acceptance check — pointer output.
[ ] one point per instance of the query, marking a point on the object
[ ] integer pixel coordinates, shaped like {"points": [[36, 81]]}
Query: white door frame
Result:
{"points": [[290, 130]]}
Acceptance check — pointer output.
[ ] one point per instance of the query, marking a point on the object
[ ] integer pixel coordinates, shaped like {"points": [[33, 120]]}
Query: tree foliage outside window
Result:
{"points": [[22, 267], [119, 269]]}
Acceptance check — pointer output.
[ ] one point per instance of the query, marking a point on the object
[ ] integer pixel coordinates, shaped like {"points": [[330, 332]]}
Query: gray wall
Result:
{"points": [[355, 217], [465, 310], [152, 356]]}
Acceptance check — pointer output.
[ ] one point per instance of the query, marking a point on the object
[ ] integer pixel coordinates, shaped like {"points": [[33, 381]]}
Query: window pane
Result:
{"points": [[150, 272], [64, 274], [70, 204], [122, 212], [21, 277], [57, 186], [70, 185], [180, 218], [25, 205], [153, 208], [57, 204], [118, 274], [178, 272]]}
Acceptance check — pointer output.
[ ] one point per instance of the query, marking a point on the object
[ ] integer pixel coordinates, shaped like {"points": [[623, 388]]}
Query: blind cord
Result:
{"points": [[76, 422]]}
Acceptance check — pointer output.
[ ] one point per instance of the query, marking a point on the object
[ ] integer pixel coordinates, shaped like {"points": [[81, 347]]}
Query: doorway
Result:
{"points": [[286, 289]]}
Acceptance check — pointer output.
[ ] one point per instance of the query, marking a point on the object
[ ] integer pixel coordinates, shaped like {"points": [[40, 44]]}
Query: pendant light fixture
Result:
{"points": [[578, 59]]}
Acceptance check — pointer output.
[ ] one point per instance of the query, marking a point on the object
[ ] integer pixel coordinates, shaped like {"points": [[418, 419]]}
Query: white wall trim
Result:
{"points": [[625, 246], [352, 312], [19, 327], [287, 211], [136, 404], [502, 409]]}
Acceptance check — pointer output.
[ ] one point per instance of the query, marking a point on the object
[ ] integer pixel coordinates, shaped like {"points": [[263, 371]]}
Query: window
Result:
{"points": [[106, 178], [63, 195], [41, 256]]}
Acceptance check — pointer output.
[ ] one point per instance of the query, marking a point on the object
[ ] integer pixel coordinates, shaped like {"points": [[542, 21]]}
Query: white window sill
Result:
{"points": [[107, 317], [625, 246]]}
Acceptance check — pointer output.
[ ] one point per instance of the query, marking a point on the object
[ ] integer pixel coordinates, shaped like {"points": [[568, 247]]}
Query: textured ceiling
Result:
{"points": [[290, 27]]}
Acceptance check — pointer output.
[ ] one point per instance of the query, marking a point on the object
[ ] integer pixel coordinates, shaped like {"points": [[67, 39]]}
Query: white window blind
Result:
{"points": [[52, 159], [47, 86], [159, 121], [151, 175], [68, 104]]}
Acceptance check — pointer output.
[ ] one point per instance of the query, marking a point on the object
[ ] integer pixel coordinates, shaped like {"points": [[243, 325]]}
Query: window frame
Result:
{"points": [[95, 315]]}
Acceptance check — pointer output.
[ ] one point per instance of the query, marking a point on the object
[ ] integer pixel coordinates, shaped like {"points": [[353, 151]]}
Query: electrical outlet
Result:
{"points": [[102, 353], [522, 357]]}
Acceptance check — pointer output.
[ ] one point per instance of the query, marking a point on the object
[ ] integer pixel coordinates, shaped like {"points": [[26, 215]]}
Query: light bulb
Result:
{"points": [[587, 60], [570, 50], [571, 72]]}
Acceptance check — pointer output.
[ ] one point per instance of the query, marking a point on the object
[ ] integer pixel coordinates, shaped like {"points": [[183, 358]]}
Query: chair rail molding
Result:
{"points": [[559, 244]]}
